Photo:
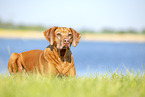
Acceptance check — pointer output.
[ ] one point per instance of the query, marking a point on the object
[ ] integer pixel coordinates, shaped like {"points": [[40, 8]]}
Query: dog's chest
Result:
{"points": [[63, 64]]}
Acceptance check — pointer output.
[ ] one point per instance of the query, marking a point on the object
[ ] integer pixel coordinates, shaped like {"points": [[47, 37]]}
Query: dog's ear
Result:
{"points": [[76, 37], [49, 35]]}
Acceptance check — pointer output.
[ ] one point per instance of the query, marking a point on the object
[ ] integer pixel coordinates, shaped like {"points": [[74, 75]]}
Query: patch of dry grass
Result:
{"points": [[115, 37], [21, 34], [27, 34]]}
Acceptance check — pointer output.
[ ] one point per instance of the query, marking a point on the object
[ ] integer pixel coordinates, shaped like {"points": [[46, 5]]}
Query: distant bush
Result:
{"points": [[132, 31], [107, 31], [84, 31], [9, 25], [143, 31], [111, 31]]}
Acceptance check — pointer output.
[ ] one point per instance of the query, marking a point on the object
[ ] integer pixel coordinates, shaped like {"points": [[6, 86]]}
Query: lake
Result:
{"points": [[89, 57]]}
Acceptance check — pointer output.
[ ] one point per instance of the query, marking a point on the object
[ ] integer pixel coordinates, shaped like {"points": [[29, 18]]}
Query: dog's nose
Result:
{"points": [[66, 41]]}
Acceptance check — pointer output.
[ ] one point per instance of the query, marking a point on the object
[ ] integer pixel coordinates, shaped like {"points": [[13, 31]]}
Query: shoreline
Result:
{"points": [[26, 34]]}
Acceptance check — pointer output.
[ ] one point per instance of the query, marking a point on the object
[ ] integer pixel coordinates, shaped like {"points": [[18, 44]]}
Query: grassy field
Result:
{"points": [[116, 85]]}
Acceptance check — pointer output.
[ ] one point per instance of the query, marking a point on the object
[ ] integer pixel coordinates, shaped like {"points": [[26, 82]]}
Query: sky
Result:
{"points": [[78, 14]]}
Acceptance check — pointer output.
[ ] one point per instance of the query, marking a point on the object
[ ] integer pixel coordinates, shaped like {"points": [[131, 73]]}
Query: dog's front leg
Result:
{"points": [[71, 72]]}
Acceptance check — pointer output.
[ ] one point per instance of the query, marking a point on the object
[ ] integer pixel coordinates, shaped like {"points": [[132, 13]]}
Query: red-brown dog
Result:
{"points": [[56, 59]]}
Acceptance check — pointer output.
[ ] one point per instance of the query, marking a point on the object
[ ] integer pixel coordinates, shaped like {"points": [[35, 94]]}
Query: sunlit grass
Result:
{"points": [[114, 85]]}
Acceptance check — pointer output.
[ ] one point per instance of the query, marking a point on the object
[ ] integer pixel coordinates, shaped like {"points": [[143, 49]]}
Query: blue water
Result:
{"points": [[89, 57]]}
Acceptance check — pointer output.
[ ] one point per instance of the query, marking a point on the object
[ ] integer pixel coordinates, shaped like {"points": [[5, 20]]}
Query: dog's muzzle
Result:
{"points": [[66, 43]]}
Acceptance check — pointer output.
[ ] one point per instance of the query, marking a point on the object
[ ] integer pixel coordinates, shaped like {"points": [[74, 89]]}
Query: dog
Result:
{"points": [[56, 59]]}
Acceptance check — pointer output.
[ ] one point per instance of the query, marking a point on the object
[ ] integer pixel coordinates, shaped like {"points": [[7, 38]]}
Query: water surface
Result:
{"points": [[89, 57]]}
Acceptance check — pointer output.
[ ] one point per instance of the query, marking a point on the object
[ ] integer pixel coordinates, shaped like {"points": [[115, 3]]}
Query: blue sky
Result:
{"points": [[78, 14]]}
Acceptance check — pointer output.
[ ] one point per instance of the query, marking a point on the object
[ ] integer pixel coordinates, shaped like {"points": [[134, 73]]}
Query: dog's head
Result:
{"points": [[62, 37]]}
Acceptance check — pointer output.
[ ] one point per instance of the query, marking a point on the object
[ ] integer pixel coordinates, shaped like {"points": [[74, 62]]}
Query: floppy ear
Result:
{"points": [[49, 35], [76, 37]]}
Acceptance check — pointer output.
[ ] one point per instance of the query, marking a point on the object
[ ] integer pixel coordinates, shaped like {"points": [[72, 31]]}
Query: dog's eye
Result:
{"points": [[69, 34], [58, 34]]}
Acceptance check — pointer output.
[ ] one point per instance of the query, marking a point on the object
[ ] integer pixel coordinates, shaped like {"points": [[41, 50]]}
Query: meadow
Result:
{"points": [[107, 85]]}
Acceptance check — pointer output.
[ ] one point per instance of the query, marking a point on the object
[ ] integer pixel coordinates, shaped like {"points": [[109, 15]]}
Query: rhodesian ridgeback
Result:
{"points": [[56, 59]]}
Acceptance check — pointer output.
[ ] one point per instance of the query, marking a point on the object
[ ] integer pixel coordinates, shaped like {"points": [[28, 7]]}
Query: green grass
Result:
{"points": [[116, 85]]}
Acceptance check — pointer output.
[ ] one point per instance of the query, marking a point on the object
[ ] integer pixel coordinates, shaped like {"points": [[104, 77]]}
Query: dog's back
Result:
{"points": [[26, 60]]}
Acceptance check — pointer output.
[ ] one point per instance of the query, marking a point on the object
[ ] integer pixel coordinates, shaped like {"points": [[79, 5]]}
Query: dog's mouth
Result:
{"points": [[63, 49], [66, 46], [62, 52]]}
